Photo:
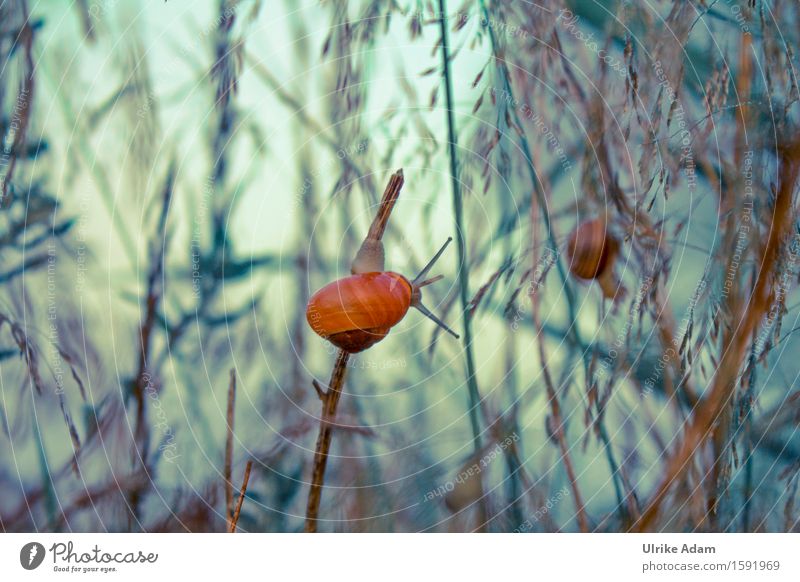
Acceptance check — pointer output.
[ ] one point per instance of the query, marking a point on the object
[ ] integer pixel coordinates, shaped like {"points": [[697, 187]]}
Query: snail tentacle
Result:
{"points": [[427, 313], [424, 272]]}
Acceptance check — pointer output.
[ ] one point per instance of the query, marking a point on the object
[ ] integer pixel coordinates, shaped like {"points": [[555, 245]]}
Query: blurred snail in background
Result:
{"points": [[356, 312], [467, 487], [591, 252]]}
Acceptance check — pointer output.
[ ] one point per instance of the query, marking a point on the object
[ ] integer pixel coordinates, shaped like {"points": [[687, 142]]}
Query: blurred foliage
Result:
{"points": [[177, 180]]}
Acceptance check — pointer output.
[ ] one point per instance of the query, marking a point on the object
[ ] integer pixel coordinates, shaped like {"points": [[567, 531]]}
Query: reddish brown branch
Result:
{"points": [[330, 401], [735, 344], [330, 398], [388, 200], [238, 511]]}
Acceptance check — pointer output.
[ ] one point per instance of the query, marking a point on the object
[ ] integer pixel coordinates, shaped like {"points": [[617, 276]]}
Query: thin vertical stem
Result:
{"points": [[560, 268], [463, 263], [458, 212], [229, 447], [237, 512], [330, 397], [558, 427], [330, 400]]}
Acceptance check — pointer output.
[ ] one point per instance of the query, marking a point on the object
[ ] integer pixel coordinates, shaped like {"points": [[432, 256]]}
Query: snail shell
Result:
{"points": [[467, 488], [357, 312], [591, 252]]}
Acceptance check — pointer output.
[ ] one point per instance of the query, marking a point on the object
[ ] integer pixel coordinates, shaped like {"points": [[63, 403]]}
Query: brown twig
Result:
{"points": [[720, 437], [330, 400], [330, 397], [751, 312], [242, 491], [229, 448], [143, 381], [390, 195]]}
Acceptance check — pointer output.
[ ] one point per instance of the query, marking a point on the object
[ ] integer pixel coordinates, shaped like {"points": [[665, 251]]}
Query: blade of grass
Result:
{"points": [[458, 213], [463, 262]]}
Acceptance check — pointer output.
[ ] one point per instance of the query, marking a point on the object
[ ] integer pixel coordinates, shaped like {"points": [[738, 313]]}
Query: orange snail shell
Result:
{"points": [[591, 253], [357, 312]]}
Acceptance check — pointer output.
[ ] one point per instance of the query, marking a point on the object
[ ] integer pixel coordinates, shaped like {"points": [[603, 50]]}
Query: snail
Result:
{"points": [[467, 487], [591, 252], [356, 312]]}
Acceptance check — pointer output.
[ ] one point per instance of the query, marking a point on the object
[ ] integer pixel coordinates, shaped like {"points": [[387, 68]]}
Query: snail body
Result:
{"points": [[591, 252], [356, 312]]}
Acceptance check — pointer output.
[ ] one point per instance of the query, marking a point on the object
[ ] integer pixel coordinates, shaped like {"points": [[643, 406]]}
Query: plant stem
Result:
{"points": [[330, 397], [229, 446], [747, 312], [330, 400], [242, 492], [463, 263], [569, 295], [458, 211], [559, 428]]}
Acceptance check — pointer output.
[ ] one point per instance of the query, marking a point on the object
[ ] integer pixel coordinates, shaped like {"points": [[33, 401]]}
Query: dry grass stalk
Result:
{"points": [[154, 293], [749, 312], [539, 197], [330, 397], [229, 446], [330, 401], [237, 512], [720, 436], [558, 422]]}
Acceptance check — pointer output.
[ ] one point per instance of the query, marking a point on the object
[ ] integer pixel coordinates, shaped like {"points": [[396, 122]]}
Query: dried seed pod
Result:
{"points": [[591, 252]]}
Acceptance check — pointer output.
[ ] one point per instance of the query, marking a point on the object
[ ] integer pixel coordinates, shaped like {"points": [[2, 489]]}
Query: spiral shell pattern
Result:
{"points": [[358, 311]]}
